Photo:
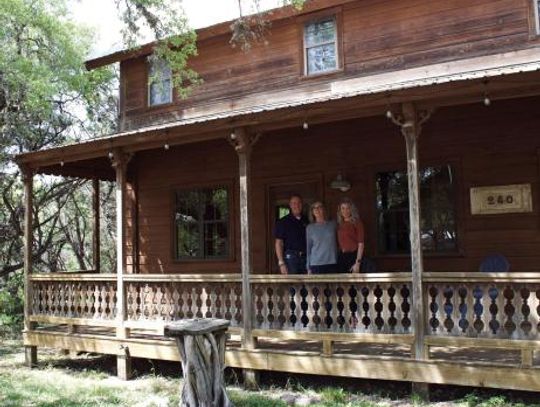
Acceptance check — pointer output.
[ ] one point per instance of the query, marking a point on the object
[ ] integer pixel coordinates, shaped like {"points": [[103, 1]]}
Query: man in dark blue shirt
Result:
{"points": [[290, 234]]}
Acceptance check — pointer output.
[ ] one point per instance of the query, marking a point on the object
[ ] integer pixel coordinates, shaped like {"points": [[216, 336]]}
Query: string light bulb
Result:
{"points": [[111, 155], [62, 163], [166, 146], [389, 114], [487, 100], [305, 125], [233, 136]]}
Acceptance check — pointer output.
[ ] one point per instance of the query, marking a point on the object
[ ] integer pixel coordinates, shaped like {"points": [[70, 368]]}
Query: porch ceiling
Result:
{"points": [[509, 75]]}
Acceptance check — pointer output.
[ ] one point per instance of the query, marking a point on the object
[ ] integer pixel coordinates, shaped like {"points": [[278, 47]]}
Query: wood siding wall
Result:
{"points": [[494, 145], [378, 36]]}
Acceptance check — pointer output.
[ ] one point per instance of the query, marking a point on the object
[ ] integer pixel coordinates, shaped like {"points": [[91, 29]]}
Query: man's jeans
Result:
{"points": [[295, 261]]}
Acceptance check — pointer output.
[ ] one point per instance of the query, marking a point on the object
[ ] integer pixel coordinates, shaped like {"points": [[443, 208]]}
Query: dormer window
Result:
{"points": [[159, 83], [321, 46]]}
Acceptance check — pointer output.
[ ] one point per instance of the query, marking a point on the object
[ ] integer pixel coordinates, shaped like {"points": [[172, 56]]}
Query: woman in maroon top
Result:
{"points": [[350, 237]]}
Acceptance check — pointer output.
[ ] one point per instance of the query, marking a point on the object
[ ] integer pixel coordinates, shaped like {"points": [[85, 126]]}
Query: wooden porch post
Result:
{"points": [[410, 128], [119, 162], [30, 352], [96, 236], [243, 142], [411, 123]]}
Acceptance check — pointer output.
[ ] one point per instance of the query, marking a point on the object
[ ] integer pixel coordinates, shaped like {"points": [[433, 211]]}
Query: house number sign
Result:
{"points": [[501, 199]]}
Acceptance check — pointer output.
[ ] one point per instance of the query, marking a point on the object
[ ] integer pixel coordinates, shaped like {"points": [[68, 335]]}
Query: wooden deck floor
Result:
{"points": [[467, 355]]}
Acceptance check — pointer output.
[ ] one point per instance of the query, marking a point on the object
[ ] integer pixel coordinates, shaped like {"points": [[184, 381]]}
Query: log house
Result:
{"points": [[429, 110]]}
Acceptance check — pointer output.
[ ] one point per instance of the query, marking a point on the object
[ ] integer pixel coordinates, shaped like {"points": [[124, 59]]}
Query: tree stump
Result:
{"points": [[201, 343]]}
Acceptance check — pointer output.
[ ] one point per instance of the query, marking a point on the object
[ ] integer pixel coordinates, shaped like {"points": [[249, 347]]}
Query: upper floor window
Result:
{"points": [[437, 201], [202, 223], [321, 46], [536, 4], [159, 83]]}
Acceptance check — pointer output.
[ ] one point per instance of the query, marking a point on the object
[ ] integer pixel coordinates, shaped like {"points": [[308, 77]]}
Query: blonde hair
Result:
{"points": [[354, 211], [311, 217]]}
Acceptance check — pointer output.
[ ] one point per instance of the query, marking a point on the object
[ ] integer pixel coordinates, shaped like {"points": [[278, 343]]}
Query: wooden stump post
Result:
{"points": [[201, 343]]}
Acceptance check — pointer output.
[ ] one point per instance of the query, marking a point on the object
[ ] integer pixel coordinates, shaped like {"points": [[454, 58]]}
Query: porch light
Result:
{"points": [[487, 100], [305, 126], [340, 183], [111, 155], [166, 146], [389, 114], [62, 163]]}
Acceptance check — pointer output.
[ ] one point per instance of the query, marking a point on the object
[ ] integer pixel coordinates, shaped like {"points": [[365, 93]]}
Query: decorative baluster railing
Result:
{"points": [[61, 297], [161, 298], [458, 305], [340, 303], [476, 305]]}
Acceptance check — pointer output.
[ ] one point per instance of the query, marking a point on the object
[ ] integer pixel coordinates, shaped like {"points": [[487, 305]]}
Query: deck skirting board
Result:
{"points": [[371, 367]]}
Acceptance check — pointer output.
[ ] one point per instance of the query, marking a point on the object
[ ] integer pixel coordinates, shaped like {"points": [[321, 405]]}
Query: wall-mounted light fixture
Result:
{"points": [[340, 183]]}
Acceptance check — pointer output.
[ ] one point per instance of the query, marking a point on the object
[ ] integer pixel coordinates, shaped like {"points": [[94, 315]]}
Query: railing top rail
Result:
{"points": [[477, 277], [391, 277], [333, 278], [184, 278], [72, 277]]}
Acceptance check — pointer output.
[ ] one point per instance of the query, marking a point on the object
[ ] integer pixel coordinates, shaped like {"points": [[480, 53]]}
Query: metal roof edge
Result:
{"points": [[520, 61]]}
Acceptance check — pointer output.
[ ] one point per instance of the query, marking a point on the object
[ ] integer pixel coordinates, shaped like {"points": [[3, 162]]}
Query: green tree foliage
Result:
{"points": [[176, 41], [46, 98]]}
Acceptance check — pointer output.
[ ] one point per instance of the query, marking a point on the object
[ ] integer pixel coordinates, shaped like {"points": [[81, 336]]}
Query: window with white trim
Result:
{"points": [[536, 4], [321, 46], [159, 83]]}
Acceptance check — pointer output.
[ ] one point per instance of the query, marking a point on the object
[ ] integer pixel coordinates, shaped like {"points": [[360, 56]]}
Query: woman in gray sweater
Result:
{"points": [[321, 242]]}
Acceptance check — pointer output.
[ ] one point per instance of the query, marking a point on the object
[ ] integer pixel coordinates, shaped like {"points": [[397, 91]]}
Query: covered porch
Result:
{"points": [[440, 323]]}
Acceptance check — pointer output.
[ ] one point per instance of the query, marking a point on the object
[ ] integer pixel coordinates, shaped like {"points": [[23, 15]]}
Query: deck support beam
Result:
{"points": [[243, 142], [28, 180], [96, 242], [120, 161]]}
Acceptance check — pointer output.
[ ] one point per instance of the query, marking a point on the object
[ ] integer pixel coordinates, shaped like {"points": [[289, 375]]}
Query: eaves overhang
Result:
{"points": [[216, 120]]}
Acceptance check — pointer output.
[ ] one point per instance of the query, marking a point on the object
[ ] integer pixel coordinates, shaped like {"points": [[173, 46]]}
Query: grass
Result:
{"points": [[89, 381]]}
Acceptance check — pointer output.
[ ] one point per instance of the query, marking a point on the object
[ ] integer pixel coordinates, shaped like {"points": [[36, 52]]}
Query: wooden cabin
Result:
{"points": [[428, 114]]}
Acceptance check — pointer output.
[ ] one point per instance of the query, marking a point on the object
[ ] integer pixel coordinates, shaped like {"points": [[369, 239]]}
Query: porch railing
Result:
{"points": [[87, 299], [505, 305], [464, 305]]}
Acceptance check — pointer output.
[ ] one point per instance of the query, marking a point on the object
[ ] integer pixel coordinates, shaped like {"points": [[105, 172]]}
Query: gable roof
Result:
{"points": [[215, 31]]}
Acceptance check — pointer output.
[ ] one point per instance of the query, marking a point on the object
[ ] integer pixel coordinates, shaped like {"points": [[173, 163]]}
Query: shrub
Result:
{"points": [[11, 304]]}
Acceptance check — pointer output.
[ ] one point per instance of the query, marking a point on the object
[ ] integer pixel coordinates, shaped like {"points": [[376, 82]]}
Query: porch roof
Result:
{"points": [[507, 75]]}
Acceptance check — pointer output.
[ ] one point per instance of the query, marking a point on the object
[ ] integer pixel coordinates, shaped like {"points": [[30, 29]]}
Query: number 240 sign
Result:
{"points": [[500, 199]]}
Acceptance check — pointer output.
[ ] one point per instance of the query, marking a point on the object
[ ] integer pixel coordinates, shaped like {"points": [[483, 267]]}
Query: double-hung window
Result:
{"points": [[159, 83], [437, 203], [536, 6], [202, 223], [321, 46]]}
